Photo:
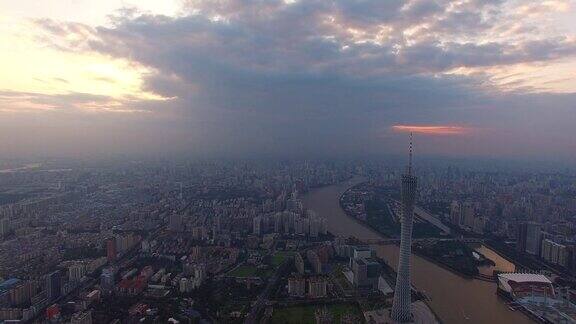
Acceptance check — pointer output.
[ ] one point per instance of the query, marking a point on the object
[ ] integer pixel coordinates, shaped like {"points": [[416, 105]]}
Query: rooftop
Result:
{"points": [[525, 277]]}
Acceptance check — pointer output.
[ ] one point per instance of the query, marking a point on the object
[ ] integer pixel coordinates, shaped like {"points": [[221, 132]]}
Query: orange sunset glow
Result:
{"points": [[432, 129]]}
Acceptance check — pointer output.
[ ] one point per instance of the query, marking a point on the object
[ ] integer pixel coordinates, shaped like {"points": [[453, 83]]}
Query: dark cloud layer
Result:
{"points": [[332, 77]]}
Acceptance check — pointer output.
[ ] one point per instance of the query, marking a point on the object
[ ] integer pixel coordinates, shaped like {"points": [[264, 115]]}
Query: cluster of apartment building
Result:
{"points": [[467, 216], [533, 238], [307, 286]]}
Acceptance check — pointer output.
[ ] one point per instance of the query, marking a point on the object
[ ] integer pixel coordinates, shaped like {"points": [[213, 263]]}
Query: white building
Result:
{"points": [[76, 272]]}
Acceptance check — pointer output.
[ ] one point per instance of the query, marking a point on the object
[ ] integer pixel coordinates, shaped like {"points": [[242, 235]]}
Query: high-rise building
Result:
{"points": [[111, 249], [317, 287], [186, 285], [555, 253], [468, 215], [521, 232], [299, 262], [175, 223], [288, 221], [323, 226], [365, 272], [257, 225], [22, 292], [76, 272], [277, 222], [298, 226], [314, 226], [296, 286], [294, 205], [314, 261], [533, 238], [455, 213], [107, 279], [4, 227], [362, 252], [306, 226], [53, 285], [402, 304], [124, 242]]}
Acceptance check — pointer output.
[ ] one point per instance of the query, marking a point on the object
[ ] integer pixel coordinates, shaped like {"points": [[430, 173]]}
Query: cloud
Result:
{"points": [[69, 103], [313, 76]]}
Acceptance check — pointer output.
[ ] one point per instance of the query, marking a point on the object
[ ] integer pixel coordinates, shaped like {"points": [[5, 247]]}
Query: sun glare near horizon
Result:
{"points": [[49, 71], [432, 129]]}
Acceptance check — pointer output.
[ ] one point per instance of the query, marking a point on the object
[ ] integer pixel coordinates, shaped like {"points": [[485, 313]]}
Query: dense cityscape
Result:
{"points": [[238, 241], [288, 161]]}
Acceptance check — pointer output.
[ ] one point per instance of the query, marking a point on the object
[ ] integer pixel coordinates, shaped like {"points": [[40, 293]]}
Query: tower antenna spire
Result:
{"points": [[410, 156]]}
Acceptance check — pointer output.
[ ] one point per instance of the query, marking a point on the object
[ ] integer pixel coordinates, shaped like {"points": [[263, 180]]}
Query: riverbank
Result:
{"points": [[502, 263], [326, 202], [454, 256], [359, 221], [454, 299]]}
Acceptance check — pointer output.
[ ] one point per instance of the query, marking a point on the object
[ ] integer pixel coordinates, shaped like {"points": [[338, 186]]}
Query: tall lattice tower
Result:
{"points": [[401, 307]]}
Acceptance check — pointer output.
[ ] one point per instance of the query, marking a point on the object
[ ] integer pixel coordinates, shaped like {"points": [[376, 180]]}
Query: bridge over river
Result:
{"points": [[455, 299], [389, 241]]}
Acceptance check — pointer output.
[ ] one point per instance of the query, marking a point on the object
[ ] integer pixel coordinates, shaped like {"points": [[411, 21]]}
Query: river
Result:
{"points": [[454, 299]]}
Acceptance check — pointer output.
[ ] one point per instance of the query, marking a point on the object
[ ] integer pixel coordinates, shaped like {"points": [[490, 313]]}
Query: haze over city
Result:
{"points": [[288, 161], [482, 78]]}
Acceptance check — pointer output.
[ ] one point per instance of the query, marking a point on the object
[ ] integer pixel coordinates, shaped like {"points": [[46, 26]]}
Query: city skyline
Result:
{"points": [[473, 78], [280, 241], [251, 161]]}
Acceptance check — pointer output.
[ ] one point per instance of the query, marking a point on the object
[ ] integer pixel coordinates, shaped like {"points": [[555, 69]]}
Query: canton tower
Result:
{"points": [[401, 307]]}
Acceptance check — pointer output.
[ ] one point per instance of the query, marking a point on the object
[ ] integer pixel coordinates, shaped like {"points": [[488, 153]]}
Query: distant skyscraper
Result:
{"points": [[53, 285], [455, 213], [76, 272], [257, 225], [4, 227], [111, 249], [297, 286], [521, 233], [107, 279], [401, 307], [175, 223], [533, 238]]}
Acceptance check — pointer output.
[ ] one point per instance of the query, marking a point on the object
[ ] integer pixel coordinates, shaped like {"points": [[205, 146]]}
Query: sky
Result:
{"points": [[288, 78]]}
